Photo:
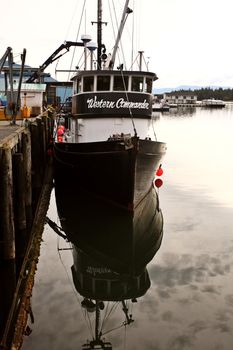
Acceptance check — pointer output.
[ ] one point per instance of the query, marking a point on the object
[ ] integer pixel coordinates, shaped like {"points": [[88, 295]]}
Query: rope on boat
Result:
{"points": [[115, 328], [107, 315], [130, 110], [124, 324], [80, 22], [154, 130]]}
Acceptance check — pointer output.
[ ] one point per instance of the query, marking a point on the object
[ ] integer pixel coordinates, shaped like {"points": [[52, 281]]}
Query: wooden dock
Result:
{"points": [[7, 130], [25, 187]]}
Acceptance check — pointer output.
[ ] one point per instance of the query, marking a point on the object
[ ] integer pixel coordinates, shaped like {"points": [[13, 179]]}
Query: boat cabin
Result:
{"points": [[109, 93]]}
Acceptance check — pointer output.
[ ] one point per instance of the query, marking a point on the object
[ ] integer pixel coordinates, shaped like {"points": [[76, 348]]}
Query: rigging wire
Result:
{"points": [[77, 35], [113, 29], [132, 48], [74, 49], [138, 24], [86, 317], [130, 110], [134, 62], [106, 316], [92, 331], [113, 329], [72, 19], [124, 324], [117, 25]]}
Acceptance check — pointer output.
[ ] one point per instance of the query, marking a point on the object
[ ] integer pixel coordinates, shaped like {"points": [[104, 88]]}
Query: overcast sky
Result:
{"points": [[186, 42]]}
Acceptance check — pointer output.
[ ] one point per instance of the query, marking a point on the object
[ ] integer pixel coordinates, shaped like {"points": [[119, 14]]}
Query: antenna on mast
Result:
{"points": [[99, 34]]}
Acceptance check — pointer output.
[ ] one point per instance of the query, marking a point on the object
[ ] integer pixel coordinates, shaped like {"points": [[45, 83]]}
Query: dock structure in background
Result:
{"points": [[25, 187]]}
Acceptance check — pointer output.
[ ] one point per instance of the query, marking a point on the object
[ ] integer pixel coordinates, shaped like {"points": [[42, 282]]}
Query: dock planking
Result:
{"points": [[7, 132]]}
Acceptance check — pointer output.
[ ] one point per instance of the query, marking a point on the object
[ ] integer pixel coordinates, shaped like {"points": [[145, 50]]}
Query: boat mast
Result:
{"points": [[99, 22], [97, 321], [99, 33]]}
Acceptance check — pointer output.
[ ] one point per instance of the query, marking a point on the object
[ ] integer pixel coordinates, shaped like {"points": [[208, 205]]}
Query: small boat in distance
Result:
{"points": [[160, 107], [212, 103], [107, 145]]}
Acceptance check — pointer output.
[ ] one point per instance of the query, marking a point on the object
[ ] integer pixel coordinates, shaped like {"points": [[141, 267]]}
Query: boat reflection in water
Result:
{"points": [[111, 248]]}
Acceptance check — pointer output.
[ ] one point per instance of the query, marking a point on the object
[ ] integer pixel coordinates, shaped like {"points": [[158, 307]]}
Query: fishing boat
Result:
{"points": [[213, 103], [160, 106], [107, 145]]}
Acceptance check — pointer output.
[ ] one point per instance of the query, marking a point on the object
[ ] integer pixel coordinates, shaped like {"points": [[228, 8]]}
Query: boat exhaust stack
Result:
{"points": [[140, 59]]}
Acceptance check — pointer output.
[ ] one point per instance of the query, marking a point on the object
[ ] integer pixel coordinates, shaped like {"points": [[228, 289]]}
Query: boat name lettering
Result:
{"points": [[120, 103], [94, 103], [95, 270]]}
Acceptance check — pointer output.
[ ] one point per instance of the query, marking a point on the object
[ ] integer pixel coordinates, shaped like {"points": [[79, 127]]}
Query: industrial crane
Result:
{"points": [[66, 45]]}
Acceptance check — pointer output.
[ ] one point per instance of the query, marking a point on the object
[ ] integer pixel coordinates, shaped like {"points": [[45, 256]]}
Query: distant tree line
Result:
{"points": [[206, 93]]}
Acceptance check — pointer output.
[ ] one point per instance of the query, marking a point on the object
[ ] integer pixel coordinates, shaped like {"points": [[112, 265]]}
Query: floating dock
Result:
{"points": [[25, 187]]}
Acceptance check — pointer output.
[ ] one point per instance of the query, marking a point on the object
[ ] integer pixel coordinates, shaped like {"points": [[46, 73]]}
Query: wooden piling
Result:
{"points": [[6, 206], [20, 221], [8, 267], [27, 168], [37, 163], [19, 191]]}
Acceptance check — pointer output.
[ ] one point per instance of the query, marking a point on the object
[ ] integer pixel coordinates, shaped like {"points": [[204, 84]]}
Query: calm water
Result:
{"points": [[190, 302]]}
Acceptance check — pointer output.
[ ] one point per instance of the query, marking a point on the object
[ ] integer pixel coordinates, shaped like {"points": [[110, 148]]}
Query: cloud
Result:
{"points": [[168, 316], [229, 300], [198, 326], [211, 289], [178, 270], [222, 327], [180, 342]]}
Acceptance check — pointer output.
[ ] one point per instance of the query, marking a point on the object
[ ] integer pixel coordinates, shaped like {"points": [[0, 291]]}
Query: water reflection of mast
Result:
{"points": [[98, 341]]}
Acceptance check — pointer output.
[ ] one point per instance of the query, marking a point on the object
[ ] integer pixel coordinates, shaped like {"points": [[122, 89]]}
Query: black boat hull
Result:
{"points": [[117, 172]]}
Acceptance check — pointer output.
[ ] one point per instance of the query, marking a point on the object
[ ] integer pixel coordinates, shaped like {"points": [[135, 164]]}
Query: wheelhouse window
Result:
{"points": [[77, 88], [137, 84], [103, 83], [148, 87], [88, 83], [120, 83]]}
